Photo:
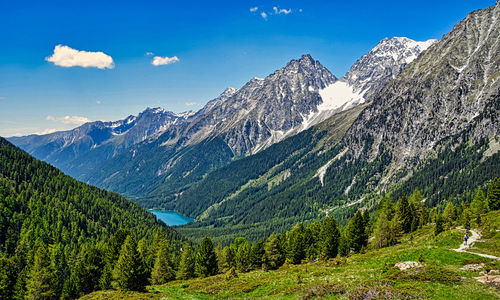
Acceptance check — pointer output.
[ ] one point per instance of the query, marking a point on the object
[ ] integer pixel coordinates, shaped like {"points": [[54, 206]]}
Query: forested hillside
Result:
{"points": [[434, 127], [401, 250], [60, 237]]}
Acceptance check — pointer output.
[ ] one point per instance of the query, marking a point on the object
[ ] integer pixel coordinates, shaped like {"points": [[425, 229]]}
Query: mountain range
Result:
{"points": [[301, 142], [158, 154]]}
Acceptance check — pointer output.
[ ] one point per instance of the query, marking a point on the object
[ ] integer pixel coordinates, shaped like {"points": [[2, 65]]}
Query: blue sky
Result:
{"points": [[217, 44]]}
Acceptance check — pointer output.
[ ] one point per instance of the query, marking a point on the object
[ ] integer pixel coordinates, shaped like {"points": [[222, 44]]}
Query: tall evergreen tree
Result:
{"points": [[494, 194], [162, 270], [89, 268], [439, 224], [296, 251], [356, 232], [226, 259], [449, 213], [129, 273], [344, 247], [404, 213], [59, 267], [330, 236], [382, 231], [420, 212], [243, 257], [257, 254], [187, 263], [272, 255], [39, 285], [206, 260], [7, 278]]}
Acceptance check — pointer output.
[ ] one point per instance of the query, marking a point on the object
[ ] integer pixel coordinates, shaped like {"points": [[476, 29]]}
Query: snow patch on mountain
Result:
{"points": [[339, 94]]}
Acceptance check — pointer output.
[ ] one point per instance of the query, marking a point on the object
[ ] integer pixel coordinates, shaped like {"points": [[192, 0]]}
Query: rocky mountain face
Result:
{"points": [[92, 143], [434, 127], [383, 63], [448, 96]]}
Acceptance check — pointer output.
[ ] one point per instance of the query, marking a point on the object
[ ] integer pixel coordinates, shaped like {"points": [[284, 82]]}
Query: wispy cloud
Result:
{"points": [[276, 11], [160, 61], [279, 11], [191, 103], [65, 56], [98, 102], [46, 131], [149, 54], [77, 120]]}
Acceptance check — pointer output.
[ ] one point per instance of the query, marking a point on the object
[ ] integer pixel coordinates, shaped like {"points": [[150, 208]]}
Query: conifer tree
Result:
{"points": [[330, 236], [366, 221], [272, 255], [59, 267], [206, 260], [356, 232], [420, 212], [478, 204], [147, 257], [494, 194], [7, 278], [243, 257], [439, 224], [257, 254], [382, 231], [89, 268], [404, 214], [187, 263], [226, 259], [39, 284], [449, 213], [296, 251], [344, 248], [162, 270], [129, 273]]}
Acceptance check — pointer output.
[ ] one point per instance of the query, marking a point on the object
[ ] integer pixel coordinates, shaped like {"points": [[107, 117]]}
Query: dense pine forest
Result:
{"points": [[62, 239]]}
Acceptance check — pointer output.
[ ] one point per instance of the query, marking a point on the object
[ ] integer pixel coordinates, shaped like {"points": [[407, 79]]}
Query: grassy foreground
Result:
{"points": [[360, 276]]}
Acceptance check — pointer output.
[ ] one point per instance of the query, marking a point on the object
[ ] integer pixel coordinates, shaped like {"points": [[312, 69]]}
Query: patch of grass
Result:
{"points": [[360, 276], [430, 273]]}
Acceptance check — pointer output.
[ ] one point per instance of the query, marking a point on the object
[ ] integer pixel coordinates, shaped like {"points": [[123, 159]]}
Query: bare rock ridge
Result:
{"points": [[447, 96]]}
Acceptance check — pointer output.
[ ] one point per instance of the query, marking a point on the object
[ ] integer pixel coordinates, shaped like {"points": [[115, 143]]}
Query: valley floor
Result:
{"points": [[360, 276]]}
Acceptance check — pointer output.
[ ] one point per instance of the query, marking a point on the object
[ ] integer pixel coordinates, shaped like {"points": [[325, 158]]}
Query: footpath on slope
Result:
{"points": [[473, 238]]}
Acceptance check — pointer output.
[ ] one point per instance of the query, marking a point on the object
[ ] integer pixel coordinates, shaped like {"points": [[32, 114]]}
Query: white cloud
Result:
{"points": [[149, 53], [69, 119], [191, 103], [98, 102], [254, 9], [263, 15], [46, 131], [160, 61], [65, 56], [283, 11]]}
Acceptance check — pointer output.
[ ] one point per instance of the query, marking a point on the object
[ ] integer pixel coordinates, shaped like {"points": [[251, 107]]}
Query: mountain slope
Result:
{"points": [[56, 231], [435, 126], [242, 122], [80, 150]]}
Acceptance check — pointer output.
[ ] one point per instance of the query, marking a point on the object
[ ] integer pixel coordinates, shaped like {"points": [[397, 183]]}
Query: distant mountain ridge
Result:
{"points": [[159, 159], [81, 149]]}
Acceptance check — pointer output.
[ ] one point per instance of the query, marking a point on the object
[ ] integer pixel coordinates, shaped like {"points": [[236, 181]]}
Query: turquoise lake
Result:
{"points": [[171, 218]]}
